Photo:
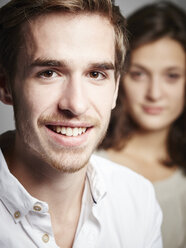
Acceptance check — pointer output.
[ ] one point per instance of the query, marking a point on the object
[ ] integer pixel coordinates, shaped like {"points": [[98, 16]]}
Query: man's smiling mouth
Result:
{"points": [[68, 131]]}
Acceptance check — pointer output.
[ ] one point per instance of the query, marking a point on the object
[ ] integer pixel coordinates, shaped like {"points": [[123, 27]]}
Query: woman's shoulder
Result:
{"points": [[172, 188]]}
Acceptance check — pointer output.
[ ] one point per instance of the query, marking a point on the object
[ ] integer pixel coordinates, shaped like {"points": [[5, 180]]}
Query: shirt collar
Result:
{"points": [[96, 181]]}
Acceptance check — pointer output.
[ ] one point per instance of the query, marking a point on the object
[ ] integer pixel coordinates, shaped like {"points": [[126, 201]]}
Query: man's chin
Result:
{"points": [[70, 162], [68, 169]]}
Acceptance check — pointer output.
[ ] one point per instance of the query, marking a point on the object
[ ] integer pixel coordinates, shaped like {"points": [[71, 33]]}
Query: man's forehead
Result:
{"points": [[58, 23], [48, 22], [36, 29], [53, 17]]}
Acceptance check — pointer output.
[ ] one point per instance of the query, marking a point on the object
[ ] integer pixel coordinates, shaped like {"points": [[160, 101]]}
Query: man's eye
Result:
{"points": [[48, 74], [96, 75]]}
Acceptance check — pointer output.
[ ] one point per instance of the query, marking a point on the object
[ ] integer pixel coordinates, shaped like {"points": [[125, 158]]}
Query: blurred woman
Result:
{"points": [[147, 132]]}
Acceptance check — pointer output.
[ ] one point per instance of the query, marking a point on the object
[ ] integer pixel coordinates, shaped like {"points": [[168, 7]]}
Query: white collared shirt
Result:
{"points": [[119, 210]]}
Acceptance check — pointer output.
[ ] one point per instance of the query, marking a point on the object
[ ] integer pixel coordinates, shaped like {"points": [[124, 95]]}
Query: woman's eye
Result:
{"points": [[137, 75], [173, 76], [48, 74], [96, 75]]}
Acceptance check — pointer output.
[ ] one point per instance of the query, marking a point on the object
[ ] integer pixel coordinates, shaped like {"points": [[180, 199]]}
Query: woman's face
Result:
{"points": [[155, 84]]}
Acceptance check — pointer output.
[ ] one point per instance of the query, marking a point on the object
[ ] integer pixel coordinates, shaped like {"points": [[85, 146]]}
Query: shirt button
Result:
{"points": [[37, 207], [45, 238], [17, 214]]}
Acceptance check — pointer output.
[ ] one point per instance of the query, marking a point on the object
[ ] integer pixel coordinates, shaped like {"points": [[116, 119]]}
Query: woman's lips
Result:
{"points": [[152, 110]]}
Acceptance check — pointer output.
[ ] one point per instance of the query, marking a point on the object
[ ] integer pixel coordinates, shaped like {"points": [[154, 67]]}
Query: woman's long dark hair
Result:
{"points": [[148, 24]]}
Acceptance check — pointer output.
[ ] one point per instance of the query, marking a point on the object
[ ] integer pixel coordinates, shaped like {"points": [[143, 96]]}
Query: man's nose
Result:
{"points": [[74, 97]]}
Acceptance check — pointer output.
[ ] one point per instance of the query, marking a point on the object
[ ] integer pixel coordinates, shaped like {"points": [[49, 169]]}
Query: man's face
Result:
{"points": [[65, 88]]}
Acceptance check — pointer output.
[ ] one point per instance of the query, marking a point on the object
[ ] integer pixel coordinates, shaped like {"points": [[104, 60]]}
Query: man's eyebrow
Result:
{"points": [[47, 62], [102, 66]]}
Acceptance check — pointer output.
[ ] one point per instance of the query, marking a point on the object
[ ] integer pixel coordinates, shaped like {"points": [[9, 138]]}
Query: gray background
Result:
{"points": [[127, 6]]}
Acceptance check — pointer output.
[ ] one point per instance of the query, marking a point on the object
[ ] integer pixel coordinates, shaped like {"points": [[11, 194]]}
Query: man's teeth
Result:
{"points": [[69, 131]]}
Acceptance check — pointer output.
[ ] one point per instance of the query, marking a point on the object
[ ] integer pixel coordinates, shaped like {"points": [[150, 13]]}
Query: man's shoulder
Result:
{"points": [[130, 199], [122, 174], [125, 186], [122, 182]]}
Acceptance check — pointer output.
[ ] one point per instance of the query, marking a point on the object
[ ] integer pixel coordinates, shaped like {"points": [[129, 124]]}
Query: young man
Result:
{"points": [[60, 65]]}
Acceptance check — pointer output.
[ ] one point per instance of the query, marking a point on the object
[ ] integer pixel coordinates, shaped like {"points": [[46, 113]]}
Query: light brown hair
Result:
{"points": [[16, 13]]}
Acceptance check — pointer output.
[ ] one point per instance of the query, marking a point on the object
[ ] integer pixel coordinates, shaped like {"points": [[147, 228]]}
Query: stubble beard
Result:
{"points": [[65, 160], [71, 160]]}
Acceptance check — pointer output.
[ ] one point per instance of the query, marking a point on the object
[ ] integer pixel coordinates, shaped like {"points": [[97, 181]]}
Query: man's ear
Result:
{"points": [[5, 92], [116, 92]]}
